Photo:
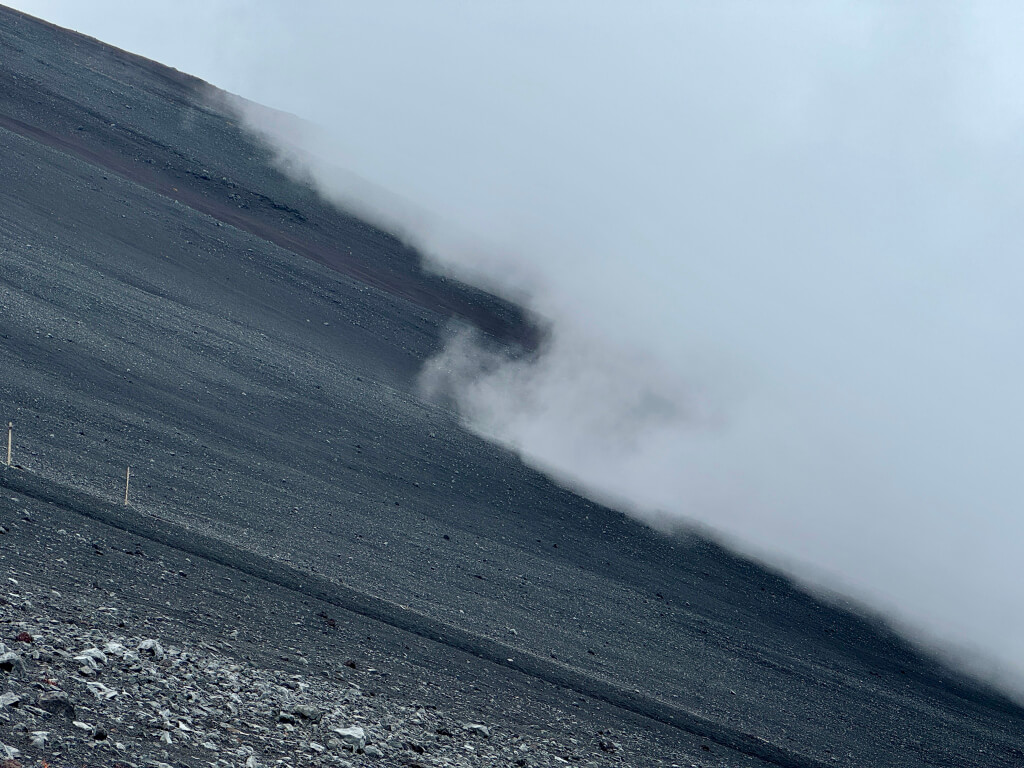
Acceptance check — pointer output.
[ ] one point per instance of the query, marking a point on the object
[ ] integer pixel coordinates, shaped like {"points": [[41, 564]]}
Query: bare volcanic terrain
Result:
{"points": [[316, 567]]}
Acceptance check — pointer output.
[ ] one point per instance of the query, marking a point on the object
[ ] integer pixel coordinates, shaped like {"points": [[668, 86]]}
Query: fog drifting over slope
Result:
{"points": [[778, 245]]}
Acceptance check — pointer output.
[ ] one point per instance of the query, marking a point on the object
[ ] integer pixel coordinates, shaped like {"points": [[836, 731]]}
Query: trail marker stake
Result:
{"points": [[10, 435], [127, 478]]}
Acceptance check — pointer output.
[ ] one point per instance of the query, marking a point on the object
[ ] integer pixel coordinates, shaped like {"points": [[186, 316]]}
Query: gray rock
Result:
{"points": [[39, 738], [9, 699], [354, 737], [371, 751], [95, 654], [12, 664], [56, 703], [307, 712], [478, 729], [9, 753], [100, 691], [153, 648], [114, 649], [88, 663]]}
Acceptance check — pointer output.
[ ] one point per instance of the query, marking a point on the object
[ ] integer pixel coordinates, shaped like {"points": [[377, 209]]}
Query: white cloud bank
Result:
{"points": [[779, 244]]}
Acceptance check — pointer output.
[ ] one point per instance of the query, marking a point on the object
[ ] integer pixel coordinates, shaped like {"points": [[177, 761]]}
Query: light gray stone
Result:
{"points": [[353, 736], [478, 729], [153, 648], [12, 664]]}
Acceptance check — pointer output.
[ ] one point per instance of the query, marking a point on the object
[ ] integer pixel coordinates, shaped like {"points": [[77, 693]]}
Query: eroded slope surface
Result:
{"points": [[169, 301]]}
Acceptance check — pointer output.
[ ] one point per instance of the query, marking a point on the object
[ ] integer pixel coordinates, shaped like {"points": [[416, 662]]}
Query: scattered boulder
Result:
{"points": [[88, 663], [478, 729], [12, 664], [101, 691], [56, 703], [115, 649], [9, 753], [95, 654], [153, 648], [307, 712], [354, 737]]}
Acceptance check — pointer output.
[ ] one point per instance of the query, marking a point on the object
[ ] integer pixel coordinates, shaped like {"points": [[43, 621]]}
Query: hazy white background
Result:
{"points": [[780, 245]]}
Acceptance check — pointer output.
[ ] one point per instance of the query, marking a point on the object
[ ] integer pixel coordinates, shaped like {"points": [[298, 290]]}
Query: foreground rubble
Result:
{"points": [[102, 695], [116, 652]]}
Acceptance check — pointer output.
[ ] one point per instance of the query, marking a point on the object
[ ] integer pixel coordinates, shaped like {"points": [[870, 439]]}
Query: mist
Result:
{"points": [[776, 245]]}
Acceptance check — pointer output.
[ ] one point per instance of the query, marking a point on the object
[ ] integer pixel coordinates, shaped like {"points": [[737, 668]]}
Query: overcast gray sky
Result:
{"points": [[779, 243]]}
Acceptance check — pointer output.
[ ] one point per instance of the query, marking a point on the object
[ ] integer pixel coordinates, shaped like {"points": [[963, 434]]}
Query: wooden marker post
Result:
{"points": [[10, 437], [127, 478]]}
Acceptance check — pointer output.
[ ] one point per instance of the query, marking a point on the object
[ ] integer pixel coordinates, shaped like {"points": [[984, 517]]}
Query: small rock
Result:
{"points": [[153, 648], [9, 699], [9, 753], [371, 751], [478, 729], [252, 762], [607, 745], [82, 725], [95, 654], [56, 703], [24, 637], [100, 691], [39, 738], [12, 664], [115, 649], [354, 737], [88, 663], [307, 712], [287, 718]]}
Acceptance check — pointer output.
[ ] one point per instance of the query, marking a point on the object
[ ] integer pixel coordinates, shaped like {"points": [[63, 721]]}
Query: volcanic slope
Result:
{"points": [[170, 301]]}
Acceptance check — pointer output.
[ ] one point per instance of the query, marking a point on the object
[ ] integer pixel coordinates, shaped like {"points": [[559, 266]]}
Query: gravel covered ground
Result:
{"points": [[119, 651]]}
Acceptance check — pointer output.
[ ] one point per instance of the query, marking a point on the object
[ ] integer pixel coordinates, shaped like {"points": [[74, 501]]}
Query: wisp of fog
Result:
{"points": [[777, 246]]}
